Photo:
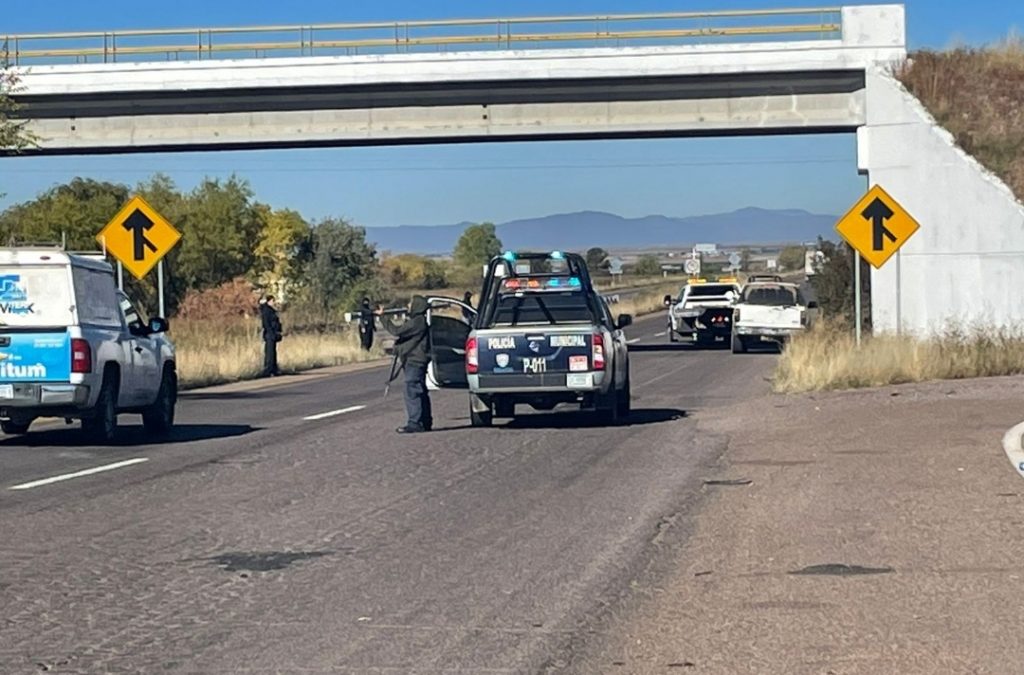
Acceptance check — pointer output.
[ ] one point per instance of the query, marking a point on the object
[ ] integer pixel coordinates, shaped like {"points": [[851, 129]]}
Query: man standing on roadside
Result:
{"points": [[367, 325], [412, 347], [271, 336], [467, 299]]}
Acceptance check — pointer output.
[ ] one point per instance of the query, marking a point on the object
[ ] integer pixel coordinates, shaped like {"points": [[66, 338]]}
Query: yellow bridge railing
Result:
{"points": [[412, 36]]}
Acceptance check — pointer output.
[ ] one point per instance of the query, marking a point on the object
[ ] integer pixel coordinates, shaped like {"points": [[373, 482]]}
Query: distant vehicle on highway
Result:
{"points": [[770, 311], [702, 313], [72, 346], [542, 336]]}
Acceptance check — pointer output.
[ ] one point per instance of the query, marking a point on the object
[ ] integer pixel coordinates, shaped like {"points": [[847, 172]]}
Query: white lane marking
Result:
{"points": [[334, 413], [661, 334], [1013, 447], [633, 341], [78, 474]]}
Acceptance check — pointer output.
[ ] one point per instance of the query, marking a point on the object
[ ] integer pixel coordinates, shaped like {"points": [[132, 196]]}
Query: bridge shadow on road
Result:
{"points": [[128, 435]]}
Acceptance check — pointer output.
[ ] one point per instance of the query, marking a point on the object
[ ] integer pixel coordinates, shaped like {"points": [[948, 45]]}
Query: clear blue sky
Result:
{"points": [[449, 184]]}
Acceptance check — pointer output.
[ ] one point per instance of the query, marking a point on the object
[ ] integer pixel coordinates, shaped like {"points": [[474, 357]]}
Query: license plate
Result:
{"points": [[577, 363], [582, 380], [6, 391]]}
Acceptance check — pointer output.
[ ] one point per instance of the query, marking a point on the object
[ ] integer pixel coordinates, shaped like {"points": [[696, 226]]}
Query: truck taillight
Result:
{"points": [[736, 316], [598, 351], [81, 356], [472, 357], [803, 317]]}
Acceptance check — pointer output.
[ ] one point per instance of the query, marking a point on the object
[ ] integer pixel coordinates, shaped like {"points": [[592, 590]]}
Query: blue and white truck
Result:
{"points": [[73, 346]]}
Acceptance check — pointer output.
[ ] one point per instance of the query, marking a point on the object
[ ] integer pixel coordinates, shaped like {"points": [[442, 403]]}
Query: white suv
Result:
{"points": [[72, 346]]}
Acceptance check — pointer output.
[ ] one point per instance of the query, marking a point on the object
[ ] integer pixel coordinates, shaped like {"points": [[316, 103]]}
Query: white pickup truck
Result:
{"points": [[703, 312], [770, 312], [72, 346]]}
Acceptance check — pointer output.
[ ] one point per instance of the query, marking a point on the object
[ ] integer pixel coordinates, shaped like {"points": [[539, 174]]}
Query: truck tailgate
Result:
{"points": [[540, 351], [35, 355]]}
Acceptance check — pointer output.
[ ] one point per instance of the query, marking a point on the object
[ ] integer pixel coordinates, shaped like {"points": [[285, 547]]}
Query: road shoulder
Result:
{"points": [[879, 533]]}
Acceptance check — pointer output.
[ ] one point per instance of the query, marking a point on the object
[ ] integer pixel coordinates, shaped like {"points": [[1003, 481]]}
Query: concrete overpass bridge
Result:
{"points": [[628, 76]]}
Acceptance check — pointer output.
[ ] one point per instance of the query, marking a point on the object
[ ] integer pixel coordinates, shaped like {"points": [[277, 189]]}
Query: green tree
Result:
{"points": [[14, 134], [342, 266], [745, 257], [278, 250], [647, 266], [477, 245], [77, 210], [596, 257], [792, 258], [220, 227], [834, 288]]}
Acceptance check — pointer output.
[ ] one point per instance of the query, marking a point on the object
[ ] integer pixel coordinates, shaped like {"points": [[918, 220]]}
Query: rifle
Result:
{"points": [[393, 374]]}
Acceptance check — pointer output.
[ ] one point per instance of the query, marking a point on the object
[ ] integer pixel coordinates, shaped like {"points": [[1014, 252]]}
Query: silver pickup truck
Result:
{"points": [[73, 346], [542, 336]]}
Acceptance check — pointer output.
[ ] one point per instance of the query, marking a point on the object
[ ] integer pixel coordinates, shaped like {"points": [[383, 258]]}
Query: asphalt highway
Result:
{"points": [[286, 528]]}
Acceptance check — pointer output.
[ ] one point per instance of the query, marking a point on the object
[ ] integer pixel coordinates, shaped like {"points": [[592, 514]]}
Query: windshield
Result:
{"points": [[704, 291], [541, 308], [774, 296]]}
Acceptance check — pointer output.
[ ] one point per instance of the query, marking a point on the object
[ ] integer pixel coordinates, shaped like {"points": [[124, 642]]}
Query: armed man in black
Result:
{"points": [[271, 336], [412, 348], [367, 325]]}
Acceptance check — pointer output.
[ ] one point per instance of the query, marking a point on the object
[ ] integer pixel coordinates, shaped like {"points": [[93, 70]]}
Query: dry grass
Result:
{"points": [[828, 358], [214, 353], [977, 95]]}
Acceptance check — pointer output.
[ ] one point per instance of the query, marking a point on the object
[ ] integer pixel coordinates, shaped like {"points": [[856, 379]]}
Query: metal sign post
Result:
{"points": [[120, 276], [857, 294], [160, 286]]}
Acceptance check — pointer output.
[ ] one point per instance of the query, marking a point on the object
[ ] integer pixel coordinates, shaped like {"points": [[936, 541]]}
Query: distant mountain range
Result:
{"points": [[577, 231]]}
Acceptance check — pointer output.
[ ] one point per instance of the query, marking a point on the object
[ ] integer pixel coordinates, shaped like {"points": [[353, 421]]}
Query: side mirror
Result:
{"points": [[668, 301], [158, 326], [812, 305], [624, 320]]}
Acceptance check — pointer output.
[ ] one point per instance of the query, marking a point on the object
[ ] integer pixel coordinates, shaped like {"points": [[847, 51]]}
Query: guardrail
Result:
{"points": [[417, 36]]}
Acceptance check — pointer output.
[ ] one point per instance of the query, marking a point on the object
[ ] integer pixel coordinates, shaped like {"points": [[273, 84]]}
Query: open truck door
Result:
{"points": [[450, 323]]}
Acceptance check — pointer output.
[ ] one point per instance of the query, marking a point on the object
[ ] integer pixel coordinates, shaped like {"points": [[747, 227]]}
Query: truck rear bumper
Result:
{"points": [[43, 399], [539, 383], [769, 331]]}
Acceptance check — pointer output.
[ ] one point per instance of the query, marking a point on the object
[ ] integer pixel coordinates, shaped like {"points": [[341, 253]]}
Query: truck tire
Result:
{"points": [[13, 428], [739, 344], [624, 401], [159, 417], [102, 426]]}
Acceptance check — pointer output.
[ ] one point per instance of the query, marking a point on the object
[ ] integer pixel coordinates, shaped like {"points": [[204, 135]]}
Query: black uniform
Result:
{"points": [[466, 314], [271, 336], [367, 326], [413, 349]]}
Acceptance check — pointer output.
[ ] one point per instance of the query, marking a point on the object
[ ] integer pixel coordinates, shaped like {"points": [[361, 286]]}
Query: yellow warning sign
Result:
{"points": [[877, 226], [138, 236]]}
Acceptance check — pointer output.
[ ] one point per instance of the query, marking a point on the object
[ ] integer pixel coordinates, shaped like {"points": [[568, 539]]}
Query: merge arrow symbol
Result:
{"points": [[878, 212], [138, 223]]}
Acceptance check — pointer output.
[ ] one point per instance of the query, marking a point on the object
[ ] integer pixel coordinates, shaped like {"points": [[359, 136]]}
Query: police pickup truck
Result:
{"points": [[703, 312], [72, 346], [541, 336]]}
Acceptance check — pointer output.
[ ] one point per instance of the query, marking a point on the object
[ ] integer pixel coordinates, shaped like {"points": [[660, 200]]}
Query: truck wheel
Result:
{"points": [[480, 419], [739, 344], [624, 401], [12, 428], [102, 426], [159, 417], [504, 407]]}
